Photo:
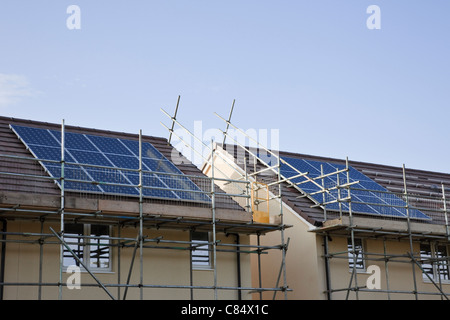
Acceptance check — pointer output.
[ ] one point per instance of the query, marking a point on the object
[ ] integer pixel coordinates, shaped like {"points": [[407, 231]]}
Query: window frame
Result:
{"points": [[360, 255], [433, 251], [203, 244], [86, 249]]}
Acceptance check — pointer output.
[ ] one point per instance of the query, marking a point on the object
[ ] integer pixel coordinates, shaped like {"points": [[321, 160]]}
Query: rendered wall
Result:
{"points": [[304, 274], [303, 271], [305, 263], [161, 267], [399, 276]]}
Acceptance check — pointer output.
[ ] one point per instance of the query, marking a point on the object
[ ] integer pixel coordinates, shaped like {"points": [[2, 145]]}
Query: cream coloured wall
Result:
{"points": [[398, 278], [161, 267], [304, 273], [305, 263]]}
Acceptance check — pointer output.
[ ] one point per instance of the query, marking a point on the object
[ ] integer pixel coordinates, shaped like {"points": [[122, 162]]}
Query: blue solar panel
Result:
{"points": [[164, 180], [74, 141], [109, 145], [89, 157], [126, 162], [73, 173], [50, 153], [367, 196], [148, 151], [38, 137]]}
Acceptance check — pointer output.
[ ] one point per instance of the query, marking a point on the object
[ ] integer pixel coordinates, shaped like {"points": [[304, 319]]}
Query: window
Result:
{"points": [[201, 258], [91, 245], [356, 258], [427, 265], [442, 262], [435, 263]]}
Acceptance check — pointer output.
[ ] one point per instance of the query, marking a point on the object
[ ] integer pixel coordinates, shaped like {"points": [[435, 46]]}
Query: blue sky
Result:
{"points": [[310, 69]]}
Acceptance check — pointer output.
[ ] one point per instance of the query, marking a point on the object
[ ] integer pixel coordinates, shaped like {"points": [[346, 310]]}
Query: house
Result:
{"points": [[95, 214], [359, 230]]}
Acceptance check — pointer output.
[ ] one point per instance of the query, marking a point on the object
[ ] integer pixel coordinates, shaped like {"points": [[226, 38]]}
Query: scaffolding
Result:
{"points": [[349, 224], [18, 209], [252, 188], [255, 171]]}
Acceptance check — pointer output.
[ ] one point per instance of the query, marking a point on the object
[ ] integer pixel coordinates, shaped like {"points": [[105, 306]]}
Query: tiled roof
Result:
{"points": [[424, 187], [11, 145]]}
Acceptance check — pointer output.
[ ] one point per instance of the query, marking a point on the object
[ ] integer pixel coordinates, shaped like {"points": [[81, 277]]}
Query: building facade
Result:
{"points": [[95, 214], [357, 230]]}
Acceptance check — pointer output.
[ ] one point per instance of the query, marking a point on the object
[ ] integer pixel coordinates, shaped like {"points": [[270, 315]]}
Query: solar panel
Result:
{"points": [[100, 165], [367, 196]]}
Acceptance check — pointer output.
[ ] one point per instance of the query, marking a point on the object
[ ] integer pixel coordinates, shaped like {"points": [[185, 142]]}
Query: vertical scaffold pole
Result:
{"points": [[247, 188], [258, 235], [61, 247], [444, 200], [339, 194], [41, 254], [352, 232], [191, 270], [386, 260], [141, 217], [323, 194], [408, 221], [283, 244], [213, 211], [325, 237], [119, 251]]}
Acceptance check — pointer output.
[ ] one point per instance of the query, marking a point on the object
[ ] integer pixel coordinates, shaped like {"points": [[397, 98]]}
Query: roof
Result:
{"points": [[424, 188], [23, 192], [10, 145]]}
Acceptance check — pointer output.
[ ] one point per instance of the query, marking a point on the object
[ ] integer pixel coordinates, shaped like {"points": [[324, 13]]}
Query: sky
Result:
{"points": [[309, 77]]}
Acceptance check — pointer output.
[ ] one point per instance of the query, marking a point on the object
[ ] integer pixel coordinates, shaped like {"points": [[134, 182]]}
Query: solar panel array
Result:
{"points": [[367, 196], [103, 164]]}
